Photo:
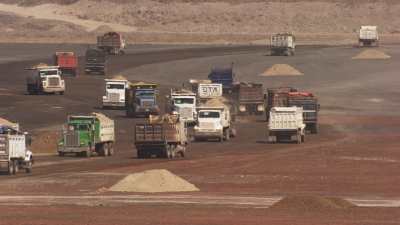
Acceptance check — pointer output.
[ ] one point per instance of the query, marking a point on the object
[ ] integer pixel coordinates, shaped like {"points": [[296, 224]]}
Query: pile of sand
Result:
{"points": [[119, 77], [312, 204], [372, 54], [8, 123], [282, 70], [153, 181]]}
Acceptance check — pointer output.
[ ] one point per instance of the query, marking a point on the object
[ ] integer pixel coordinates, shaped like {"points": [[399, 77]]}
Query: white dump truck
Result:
{"points": [[45, 79], [163, 136], [368, 36], [214, 121], [14, 152], [283, 44], [115, 93], [286, 124], [184, 103]]}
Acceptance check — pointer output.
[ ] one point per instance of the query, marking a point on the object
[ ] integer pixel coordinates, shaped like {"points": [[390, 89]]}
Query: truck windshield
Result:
{"points": [[115, 86], [48, 72], [145, 94], [206, 114], [78, 127], [178, 101]]}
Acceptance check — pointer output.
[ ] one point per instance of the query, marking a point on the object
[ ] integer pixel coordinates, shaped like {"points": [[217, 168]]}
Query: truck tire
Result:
{"points": [[16, 166], [303, 138], [227, 134], [106, 149], [88, 153], [61, 93], [11, 168], [139, 154], [28, 168], [110, 149], [61, 154], [298, 141]]}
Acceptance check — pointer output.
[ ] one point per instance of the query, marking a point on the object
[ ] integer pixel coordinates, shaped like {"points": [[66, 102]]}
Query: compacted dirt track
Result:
{"points": [[355, 156]]}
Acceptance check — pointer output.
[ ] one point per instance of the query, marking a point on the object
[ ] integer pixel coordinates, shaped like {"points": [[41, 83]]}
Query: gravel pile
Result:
{"points": [[153, 181], [371, 54], [281, 70]]}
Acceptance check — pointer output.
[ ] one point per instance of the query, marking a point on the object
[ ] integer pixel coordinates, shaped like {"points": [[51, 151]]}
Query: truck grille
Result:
{"points": [[71, 139], [114, 97], [54, 81], [147, 103], [186, 113]]}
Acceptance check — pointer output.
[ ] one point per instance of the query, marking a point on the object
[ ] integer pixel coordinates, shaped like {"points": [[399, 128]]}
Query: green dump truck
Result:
{"points": [[84, 135]]}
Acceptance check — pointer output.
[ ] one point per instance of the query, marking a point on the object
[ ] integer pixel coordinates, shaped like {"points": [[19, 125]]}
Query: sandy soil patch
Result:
{"points": [[281, 70]]}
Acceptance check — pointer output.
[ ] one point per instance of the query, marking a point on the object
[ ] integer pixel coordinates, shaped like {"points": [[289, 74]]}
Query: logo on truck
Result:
{"points": [[210, 90]]}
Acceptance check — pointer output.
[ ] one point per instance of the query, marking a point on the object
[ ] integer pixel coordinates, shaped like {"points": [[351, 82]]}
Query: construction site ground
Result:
{"points": [[355, 156]]}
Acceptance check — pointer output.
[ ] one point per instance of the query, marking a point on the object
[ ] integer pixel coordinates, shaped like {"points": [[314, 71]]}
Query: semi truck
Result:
{"points": [[309, 103], [368, 36], [141, 99], [67, 62], [44, 79], [115, 93], [249, 99], [214, 121], [14, 152], [283, 44], [184, 103], [286, 124], [224, 76], [111, 43], [85, 134], [163, 136], [95, 61]]}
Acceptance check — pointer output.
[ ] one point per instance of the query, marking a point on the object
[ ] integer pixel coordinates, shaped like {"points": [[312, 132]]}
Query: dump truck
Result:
{"points": [[14, 152], [115, 93], [277, 97], [67, 62], [163, 136], [85, 134], [286, 124], [141, 99], [44, 79], [111, 43], [224, 76], [368, 36], [184, 103], [249, 99], [309, 103], [214, 121], [96, 61], [283, 44]]}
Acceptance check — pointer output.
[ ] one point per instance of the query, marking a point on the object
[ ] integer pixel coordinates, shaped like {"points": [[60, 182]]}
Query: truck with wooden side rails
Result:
{"points": [[44, 79], [111, 43], [162, 136], [249, 99], [95, 61], [141, 99], [67, 62], [14, 152], [84, 135], [286, 124]]}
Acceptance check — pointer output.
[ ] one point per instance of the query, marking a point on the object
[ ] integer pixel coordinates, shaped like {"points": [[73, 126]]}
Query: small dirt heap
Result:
{"points": [[372, 54], [312, 204], [153, 181], [281, 70]]}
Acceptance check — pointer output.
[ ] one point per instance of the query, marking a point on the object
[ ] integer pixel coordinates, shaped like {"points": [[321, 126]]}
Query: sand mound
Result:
{"points": [[153, 181], [371, 54], [312, 204], [281, 70], [119, 77]]}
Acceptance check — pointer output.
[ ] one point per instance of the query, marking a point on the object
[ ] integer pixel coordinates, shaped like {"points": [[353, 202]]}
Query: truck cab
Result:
{"points": [[184, 103], [96, 61], [212, 123], [224, 76], [45, 79], [141, 99], [115, 93]]}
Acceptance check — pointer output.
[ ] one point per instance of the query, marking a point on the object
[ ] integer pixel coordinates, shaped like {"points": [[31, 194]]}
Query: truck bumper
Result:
{"points": [[207, 134], [114, 104], [147, 111], [73, 149], [53, 89]]}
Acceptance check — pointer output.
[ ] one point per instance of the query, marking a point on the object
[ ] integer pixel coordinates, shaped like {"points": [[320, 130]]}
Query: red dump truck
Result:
{"points": [[67, 63]]}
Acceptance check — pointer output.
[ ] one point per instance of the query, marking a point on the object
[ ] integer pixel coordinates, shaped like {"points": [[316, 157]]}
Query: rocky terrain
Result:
{"points": [[221, 21]]}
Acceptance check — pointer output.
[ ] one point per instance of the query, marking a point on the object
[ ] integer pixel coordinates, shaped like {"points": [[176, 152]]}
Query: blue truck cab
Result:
{"points": [[141, 100], [224, 76]]}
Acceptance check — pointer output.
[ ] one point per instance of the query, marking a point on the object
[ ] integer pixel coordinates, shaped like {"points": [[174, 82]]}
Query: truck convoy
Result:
{"points": [[96, 61], [163, 136], [224, 76], [14, 152], [249, 99], [67, 62], [111, 43], [45, 79], [86, 134], [214, 121], [184, 103], [283, 44], [141, 99], [286, 124], [115, 92], [368, 36], [287, 97]]}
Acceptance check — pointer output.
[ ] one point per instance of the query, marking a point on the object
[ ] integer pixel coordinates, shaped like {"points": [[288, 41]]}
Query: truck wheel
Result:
{"points": [[16, 166], [227, 134], [105, 149], [303, 138], [298, 141], [28, 168], [61, 93], [88, 154], [11, 168], [110, 149], [61, 154]]}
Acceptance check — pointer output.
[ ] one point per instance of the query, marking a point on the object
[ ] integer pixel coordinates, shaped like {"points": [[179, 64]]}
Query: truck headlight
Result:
{"points": [[260, 108], [242, 108]]}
